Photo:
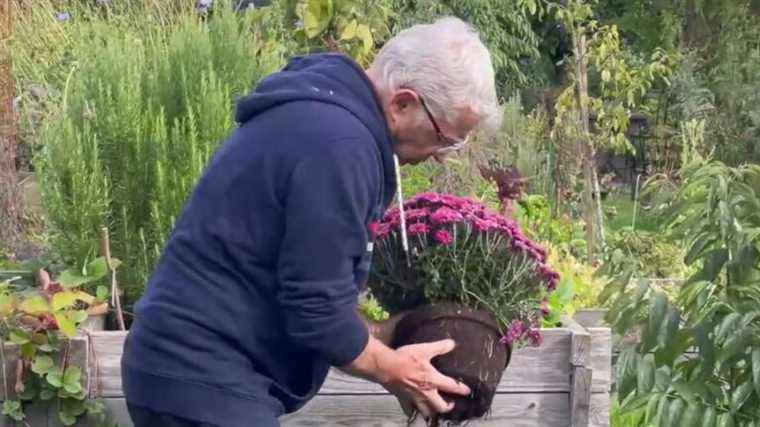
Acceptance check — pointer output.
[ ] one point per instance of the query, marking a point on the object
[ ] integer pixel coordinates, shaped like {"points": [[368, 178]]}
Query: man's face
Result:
{"points": [[418, 135]]}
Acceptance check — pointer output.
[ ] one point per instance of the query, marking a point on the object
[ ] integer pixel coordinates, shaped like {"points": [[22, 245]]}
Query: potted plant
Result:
{"points": [[469, 274], [40, 321]]}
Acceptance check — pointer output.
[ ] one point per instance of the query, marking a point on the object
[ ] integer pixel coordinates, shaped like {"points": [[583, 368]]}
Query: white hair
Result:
{"points": [[444, 62]]}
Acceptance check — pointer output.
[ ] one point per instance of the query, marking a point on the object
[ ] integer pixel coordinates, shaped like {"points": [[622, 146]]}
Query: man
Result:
{"points": [[255, 295]]}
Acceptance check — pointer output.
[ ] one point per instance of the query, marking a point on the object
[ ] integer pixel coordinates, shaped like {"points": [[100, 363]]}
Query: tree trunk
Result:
{"points": [[591, 198], [10, 195]]}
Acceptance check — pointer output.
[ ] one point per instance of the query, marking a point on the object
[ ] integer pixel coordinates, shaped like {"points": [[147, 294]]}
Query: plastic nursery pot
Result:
{"points": [[478, 360]]}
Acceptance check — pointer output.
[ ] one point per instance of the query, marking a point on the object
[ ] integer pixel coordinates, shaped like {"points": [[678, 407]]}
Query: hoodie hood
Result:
{"points": [[333, 79]]}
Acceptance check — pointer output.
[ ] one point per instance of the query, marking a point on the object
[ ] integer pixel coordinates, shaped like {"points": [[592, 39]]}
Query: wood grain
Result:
{"points": [[580, 396], [514, 410]]}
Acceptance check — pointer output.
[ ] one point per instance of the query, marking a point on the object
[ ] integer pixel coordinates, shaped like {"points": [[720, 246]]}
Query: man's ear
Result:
{"points": [[402, 100]]}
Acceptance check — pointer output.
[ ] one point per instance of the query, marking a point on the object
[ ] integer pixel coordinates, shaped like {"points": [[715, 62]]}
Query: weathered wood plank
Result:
{"points": [[514, 410], [106, 363], [599, 412], [600, 359], [580, 396], [544, 369], [580, 342]]}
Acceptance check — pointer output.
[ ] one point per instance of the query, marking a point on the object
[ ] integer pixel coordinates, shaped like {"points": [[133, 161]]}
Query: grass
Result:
{"points": [[623, 216]]}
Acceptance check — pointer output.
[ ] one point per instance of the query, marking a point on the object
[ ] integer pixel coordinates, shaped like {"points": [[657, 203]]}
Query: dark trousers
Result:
{"points": [[144, 417]]}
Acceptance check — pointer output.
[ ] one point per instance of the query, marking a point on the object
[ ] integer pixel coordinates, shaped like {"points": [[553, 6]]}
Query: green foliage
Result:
{"points": [[650, 255], [505, 28], [139, 101], [372, 310], [715, 311], [41, 321], [350, 26]]}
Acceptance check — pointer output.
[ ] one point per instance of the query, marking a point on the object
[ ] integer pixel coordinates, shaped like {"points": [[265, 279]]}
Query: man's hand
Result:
{"points": [[419, 384], [408, 374]]}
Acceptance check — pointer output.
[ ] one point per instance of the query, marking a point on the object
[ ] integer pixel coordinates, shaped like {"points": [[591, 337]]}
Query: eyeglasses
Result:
{"points": [[452, 144]]}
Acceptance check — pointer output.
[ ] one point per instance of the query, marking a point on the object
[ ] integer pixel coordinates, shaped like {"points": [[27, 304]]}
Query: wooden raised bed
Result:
{"points": [[565, 382]]}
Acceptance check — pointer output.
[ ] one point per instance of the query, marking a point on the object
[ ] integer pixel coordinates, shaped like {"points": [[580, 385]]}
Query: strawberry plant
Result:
{"points": [[40, 321]]}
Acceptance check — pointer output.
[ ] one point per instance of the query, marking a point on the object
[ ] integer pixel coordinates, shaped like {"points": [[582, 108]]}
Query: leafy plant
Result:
{"points": [[650, 255], [40, 321], [505, 27], [372, 310], [461, 252], [715, 313], [139, 98]]}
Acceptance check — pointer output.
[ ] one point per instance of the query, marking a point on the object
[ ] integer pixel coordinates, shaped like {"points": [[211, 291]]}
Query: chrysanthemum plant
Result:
{"points": [[459, 251]]}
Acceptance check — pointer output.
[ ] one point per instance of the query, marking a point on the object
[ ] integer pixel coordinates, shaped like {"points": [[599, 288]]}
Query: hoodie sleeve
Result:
{"points": [[329, 198]]}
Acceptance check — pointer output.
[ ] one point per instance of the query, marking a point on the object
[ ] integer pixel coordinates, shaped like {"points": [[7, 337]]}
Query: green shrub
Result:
{"points": [[146, 99]]}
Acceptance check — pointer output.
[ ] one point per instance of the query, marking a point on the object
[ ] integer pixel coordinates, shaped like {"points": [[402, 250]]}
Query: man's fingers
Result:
{"points": [[448, 384], [437, 403]]}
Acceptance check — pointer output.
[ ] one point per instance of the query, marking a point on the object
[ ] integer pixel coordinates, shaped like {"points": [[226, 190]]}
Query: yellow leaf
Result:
{"points": [[64, 299], [349, 31], [34, 305], [362, 31], [84, 297], [65, 324], [6, 304]]}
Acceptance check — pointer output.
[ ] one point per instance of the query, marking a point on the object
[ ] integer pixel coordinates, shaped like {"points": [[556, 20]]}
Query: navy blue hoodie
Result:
{"points": [[255, 294]]}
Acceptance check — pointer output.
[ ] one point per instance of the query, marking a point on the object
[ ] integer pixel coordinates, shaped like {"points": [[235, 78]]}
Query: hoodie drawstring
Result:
{"points": [[402, 214]]}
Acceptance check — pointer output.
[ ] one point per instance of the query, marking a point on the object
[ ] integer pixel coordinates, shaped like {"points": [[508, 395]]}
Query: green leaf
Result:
{"points": [[652, 404], [13, 409], [634, 402], [66, 418], [28, 350], [686, 391], [42, 364], [6, 304], [65, 324], [47, 348], [47, 394], [73, 407], [72, 375], [349, 31], [55, 378], [714, 264], [69, 279], [63, 300], [691, 416], [675, 412], [72, 388], [363, 32], [317, 17], [34, 305], [727, 325], [709, 417], [645, 377], [740, 395], [734, 346], [17, 336], [102, 293], [726, 420], [756, 369], [79, 316], [669, 328], [98, 268], [657, 310]]}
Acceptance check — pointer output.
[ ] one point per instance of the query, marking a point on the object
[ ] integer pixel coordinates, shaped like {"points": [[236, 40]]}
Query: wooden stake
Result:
{"points": [[105, 251]]}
